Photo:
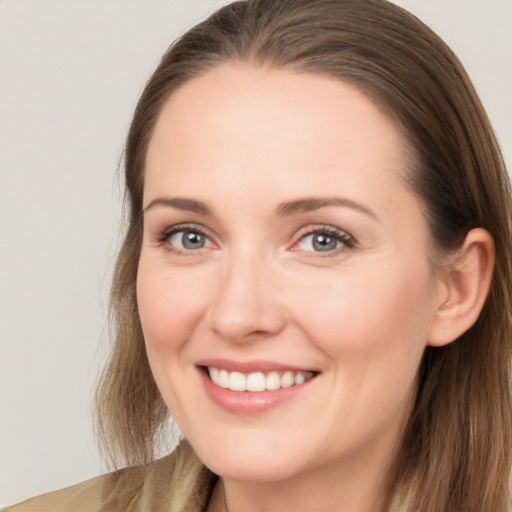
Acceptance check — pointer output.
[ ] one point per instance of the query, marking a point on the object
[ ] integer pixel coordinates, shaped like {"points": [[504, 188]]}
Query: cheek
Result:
{"points": [[169, 307], [373, 331], [379, 313]]}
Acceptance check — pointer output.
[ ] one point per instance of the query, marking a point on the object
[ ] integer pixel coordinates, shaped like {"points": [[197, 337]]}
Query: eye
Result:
{"points": [[183, 238], [188, 240], [326, 239]]}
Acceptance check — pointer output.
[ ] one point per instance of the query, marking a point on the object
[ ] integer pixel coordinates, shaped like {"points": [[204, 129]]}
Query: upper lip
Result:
{"points": [[251, 366]]}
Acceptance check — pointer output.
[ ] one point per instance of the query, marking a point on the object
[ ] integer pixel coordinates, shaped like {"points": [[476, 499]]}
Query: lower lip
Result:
{"points": [[250, 403]]}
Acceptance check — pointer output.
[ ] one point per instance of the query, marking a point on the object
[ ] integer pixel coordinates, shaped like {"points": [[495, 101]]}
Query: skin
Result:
{"points": [[243, 141]]}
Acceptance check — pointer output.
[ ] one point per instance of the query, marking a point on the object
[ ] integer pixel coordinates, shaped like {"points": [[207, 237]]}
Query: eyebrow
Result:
{"points": [[285, 209], [308, 204], [180, 203]]}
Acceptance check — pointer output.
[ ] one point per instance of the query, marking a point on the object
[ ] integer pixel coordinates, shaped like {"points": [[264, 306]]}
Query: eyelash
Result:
{"points": [[167, 233], [346, 240]]}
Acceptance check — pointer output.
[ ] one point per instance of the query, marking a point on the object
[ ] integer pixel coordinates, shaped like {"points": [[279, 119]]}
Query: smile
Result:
{"points": [[249, 388], [257, 381]]}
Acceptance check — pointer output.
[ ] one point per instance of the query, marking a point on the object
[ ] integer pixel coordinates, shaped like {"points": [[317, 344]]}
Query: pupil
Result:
{"points": [[324, 243], [193, 240]]}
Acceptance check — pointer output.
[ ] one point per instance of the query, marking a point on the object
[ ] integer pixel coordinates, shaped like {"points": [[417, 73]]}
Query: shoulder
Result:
{"points": [[82, 497], [178, 482]]}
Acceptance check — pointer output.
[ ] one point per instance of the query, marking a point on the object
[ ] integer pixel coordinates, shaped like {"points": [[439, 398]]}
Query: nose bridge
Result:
{"points": [[244, 304]]}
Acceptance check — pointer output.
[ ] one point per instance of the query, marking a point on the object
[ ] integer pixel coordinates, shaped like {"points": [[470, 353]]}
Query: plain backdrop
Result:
{"points": [[70, 75]]}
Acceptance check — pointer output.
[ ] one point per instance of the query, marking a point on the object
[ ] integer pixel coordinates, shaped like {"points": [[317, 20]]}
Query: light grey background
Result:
{"points": [[70, 75]]}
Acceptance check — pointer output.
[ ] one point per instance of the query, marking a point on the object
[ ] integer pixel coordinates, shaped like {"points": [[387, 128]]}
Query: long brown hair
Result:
{"points": [[455, 455]]}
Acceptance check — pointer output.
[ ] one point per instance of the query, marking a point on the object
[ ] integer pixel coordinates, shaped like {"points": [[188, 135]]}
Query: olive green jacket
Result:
{"points": [[176, 483]]}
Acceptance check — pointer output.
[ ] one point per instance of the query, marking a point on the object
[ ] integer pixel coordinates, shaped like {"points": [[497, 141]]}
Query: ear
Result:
{"points": [[463, 288]]}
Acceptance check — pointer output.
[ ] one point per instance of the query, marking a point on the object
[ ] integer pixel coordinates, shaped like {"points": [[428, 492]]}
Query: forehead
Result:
{"points": [[250, 122]]}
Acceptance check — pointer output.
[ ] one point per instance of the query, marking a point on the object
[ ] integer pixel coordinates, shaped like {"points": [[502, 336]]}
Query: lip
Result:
{"points": [[251, 366], [245, 402]]}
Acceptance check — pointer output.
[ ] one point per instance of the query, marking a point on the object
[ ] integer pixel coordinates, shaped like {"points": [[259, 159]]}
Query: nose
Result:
{"points": [[246, 304]]}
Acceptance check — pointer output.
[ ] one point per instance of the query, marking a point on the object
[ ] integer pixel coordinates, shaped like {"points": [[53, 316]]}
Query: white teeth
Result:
{"points": [[287, 380], [214, 374], [223, 379], [273, 381], [300, 378], [237, 381], [258, 381]]}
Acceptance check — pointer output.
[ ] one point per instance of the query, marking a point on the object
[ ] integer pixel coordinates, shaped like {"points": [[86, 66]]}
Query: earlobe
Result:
{"points": [[464, 288]]}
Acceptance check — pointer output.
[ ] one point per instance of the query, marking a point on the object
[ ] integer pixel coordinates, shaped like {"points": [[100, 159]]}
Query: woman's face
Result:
{"points": [[282, 253]]}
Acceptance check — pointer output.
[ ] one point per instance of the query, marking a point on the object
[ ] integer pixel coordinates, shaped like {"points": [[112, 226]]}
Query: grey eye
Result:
{"points": [[188, 240], [328, 239], [323, 243]]}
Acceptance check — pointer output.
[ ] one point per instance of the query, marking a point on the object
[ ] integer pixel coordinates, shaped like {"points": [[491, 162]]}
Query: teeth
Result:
{"points": [[300, 378], [287, 380], [273, 381], [214, 374], [258, 381], [237, 381], [223, 379]]}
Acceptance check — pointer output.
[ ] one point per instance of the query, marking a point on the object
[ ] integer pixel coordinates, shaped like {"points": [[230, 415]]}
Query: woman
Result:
{"points": [[315, 279]]}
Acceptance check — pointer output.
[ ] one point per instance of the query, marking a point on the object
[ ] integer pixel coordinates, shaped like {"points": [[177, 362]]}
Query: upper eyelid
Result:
{"points": [[186, 226], [302, 232], [161, 235], [318, 228], [324, 228]]}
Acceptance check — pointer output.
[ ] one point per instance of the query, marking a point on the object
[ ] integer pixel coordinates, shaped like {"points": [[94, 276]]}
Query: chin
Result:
{"points": [[260, 470], [249, 461]]}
